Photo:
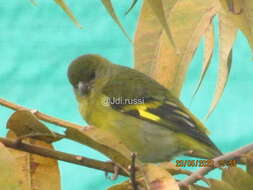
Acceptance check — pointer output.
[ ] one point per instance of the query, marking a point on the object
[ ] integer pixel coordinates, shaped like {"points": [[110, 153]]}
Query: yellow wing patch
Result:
{"points": [[148, 115], [142, 109]]}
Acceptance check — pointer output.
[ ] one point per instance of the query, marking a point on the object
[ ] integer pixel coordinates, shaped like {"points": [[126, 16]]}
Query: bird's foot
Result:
{"points": [[115, 174], [34, 111], [88, 128]]}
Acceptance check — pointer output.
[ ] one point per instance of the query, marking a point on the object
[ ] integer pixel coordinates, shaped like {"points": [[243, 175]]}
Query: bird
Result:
{"points": [[144, 115]]}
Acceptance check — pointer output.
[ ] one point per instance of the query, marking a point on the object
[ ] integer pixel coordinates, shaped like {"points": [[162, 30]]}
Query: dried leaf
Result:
{"points": [[157, 57], [24, 123], [227, 37], [157, 7], [197, 187], [123, 186], [37, 172], [241, 15], [109, 7], [103, 142], [219, 185], [209, 45], [10, 171], [234, 6], [158, 178], [131, 7], [66, 9], [249, 162], [147, 37], [237, 178], [173, 169], [246, 15]]}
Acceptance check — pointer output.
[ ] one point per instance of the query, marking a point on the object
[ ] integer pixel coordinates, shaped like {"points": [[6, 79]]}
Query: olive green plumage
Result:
{"points": [[143, 114]]}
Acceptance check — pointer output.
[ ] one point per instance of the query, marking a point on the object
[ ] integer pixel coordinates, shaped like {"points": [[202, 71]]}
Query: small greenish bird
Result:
{"points": [[143, 114]]}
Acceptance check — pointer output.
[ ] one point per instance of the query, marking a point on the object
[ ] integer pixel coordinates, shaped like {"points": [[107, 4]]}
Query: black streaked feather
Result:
{"points": [[141, 86]]}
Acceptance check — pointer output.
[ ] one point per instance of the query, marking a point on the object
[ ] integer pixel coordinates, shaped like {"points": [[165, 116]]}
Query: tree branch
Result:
{"points": [[195, 176], [76, 159], [41, 116]]}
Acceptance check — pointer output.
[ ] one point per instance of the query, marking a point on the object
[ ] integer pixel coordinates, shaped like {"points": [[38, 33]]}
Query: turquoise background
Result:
{"points": [[38, 42]]}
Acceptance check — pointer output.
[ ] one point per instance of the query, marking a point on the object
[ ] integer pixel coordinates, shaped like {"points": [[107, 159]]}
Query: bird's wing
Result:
{"points": [[155, 105]]}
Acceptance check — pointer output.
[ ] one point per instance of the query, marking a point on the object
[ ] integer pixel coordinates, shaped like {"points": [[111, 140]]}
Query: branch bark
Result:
{"points": [[75, 159], [195, 176], [41, 116], [109, 167]]}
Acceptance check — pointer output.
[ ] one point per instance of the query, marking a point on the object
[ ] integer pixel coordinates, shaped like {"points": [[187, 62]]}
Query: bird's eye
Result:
{"points": [[92, 76]]}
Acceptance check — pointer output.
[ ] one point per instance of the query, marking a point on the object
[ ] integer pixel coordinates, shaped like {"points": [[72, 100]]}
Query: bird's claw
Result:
{"points": [[88, 127], [115, 174]]}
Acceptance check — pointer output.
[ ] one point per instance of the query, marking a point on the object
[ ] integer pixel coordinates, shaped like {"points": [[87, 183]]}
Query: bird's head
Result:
{"points": [[84, 70]]}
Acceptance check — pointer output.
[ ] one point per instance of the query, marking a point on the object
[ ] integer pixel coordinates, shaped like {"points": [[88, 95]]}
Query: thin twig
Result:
{"points": [[76, 159], [41, 116], [133, 172], [195, 176]]}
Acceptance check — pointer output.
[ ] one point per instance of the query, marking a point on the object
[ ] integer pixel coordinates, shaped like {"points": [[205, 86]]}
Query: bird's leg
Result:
{"points": [[115, 173]]}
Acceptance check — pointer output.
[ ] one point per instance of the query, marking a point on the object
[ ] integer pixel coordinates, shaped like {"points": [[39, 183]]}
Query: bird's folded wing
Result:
{"points": [[167, 114]]}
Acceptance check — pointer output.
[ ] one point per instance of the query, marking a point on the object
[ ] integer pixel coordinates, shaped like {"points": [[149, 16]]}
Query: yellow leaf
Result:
{"points": [[197, 187], [219, 185], [209, 46], [24, 123], [157, 7], [126, 185], [241, 15], [155, 55], [234, 6], [237, 178], [158, 178], [173, 169], [37, 172], [249, 162], [247, 16], [9, 171], [110, 10], [105, 143], [227, 36], [66, 9], [146, 51]]}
